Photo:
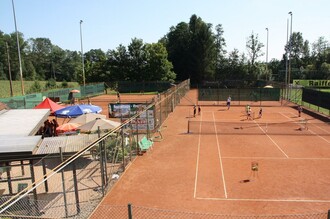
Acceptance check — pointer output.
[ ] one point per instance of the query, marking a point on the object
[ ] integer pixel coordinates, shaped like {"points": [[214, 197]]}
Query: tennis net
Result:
{"points": [[256, 128]]}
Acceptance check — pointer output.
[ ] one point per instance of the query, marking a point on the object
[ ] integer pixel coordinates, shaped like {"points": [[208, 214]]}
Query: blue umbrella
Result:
{"points": [[77, 110]]}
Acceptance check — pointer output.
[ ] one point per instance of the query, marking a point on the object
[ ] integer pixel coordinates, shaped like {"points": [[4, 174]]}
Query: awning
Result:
{"points": [[22, 122], [18, 144]]}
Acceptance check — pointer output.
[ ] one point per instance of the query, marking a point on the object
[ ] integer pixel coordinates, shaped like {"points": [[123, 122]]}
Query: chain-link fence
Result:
{"points": [[138, 87], [313, 101], [59, 95], [239, 96], [63, 185], [137, 212]]}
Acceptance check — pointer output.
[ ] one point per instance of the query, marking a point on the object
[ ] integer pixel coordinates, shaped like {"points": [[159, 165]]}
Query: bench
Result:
{"points": [[145, 144]]}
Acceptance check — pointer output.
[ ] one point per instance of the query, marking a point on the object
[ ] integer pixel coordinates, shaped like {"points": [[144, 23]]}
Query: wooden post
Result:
{"points": [[130, 216]]}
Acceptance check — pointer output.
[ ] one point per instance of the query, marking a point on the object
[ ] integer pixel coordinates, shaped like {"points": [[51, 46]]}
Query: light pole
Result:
{"points": [[9, 72], [267, 53], [19, 50], [267, 45], [286, 59], [82, 54], [290, 49]]}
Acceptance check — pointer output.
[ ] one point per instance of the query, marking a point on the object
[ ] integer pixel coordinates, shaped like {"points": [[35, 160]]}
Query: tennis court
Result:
{"points": [[210, 168]]}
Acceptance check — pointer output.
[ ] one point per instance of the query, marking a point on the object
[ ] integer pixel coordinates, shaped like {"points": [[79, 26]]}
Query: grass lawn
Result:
{"points": [[17, 90]]}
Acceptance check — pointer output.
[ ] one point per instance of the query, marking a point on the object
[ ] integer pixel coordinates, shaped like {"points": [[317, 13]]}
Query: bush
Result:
{"points": [[65, 84], [35, 88], [51, 83]]}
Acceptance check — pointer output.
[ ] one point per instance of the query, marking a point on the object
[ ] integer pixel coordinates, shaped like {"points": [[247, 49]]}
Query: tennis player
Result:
{"points": [[260, 112], [300, 109], [228, 101]]}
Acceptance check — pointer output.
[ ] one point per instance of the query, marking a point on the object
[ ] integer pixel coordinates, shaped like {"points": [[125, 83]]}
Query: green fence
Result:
{"points": [[239, 94], [311, 99], [59, 95], [316, 97], [135, 87]]}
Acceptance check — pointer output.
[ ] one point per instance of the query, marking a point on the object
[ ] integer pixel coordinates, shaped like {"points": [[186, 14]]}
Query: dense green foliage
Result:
{"points": [[41, 60], [191, 49]]}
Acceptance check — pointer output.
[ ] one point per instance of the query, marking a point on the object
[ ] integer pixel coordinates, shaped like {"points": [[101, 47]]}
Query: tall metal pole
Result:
{"points": [[286, 60], [290, 41], [19, 50], [9, 71], [82, 54], [267, 46], [267, 53]]}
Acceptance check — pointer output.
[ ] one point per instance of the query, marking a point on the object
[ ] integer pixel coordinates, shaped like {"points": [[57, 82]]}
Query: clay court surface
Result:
{"points": [[211, 172]]}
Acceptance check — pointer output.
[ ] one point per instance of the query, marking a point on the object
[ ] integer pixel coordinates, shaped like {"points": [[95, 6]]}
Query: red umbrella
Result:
{"points": [[67, 127], [49, 104], [75, 91]]}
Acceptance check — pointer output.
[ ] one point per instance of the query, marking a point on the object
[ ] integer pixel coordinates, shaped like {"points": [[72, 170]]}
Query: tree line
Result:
{"points": [[194, 49]]}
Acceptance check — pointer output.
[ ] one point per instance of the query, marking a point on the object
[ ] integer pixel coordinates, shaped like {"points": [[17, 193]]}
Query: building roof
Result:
{"points": [[18, 144], [22, 122], [18, 139], [69, 144]]}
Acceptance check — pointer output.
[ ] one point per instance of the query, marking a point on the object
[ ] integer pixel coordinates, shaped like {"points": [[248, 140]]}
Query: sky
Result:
{"points": [[108, 23]]}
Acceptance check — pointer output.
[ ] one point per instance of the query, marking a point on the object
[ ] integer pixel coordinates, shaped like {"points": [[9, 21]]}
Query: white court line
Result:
{"points": [[319, 127], [197, 160], [265, 200], [272, 140], [279, 158], [220, 159], [308, 129]]}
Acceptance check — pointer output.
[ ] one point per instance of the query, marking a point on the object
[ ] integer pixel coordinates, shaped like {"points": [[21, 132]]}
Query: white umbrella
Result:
{"points": [[102, 123], [88, 117], [268, 86]]}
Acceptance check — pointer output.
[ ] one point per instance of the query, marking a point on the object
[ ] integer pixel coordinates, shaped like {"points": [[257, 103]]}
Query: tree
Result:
{"points": [[177, 45], [11, 39], [118, 64], [94, 65], [138, 60], [202, 50], [58, 57], [157, 66], [320, 47], [221, 61], [71, 67], [39, 52], [192, 50], [320, 51], [36, 87], [253, 46]]}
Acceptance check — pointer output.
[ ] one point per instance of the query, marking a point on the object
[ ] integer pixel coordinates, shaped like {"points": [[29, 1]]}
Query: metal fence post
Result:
{"points": [[130, 211], [123, 148], [75, 185], [63, 185]]}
